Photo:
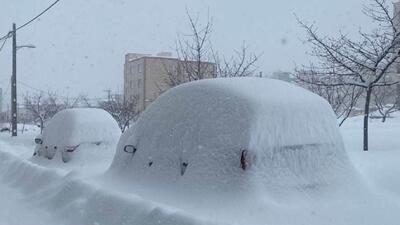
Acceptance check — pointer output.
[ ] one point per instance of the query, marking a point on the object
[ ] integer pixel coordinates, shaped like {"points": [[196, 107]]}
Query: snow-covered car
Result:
{"points": [[73, 129], [230, 135]]}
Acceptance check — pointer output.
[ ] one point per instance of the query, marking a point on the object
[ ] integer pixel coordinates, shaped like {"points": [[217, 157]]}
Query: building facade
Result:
{"points": [[146, 76]]}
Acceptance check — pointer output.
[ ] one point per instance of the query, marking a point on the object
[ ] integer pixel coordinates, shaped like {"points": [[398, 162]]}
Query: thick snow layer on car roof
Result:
{"points": [[193, 139], [71, 127]]}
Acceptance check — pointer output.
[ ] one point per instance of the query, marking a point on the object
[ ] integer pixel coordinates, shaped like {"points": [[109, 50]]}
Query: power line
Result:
{"points": [[4, 42], [5, 36], [31, 20], [34, 18]]}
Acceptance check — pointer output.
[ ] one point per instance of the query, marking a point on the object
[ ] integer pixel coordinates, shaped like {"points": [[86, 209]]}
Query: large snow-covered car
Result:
{"points": [[242, 134], [73, 129]]}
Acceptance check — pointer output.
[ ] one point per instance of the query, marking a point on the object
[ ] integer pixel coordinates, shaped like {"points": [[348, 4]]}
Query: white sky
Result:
{"points": [[81, 43]]}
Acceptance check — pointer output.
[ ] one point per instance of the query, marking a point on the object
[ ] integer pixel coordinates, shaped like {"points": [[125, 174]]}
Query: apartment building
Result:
{"points": [[147, 76]]}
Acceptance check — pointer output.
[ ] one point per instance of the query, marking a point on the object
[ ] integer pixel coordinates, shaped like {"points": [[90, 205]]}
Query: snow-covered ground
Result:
{"points": [[380, 165], [57, 194]]}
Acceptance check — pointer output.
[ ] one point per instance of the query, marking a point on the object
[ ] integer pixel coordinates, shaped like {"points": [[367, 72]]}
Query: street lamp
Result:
{"points": [[14, 120], [25, 46]]}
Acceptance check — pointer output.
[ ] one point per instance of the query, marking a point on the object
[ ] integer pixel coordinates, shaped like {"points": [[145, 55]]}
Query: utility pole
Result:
{"points": [[14, 84]]}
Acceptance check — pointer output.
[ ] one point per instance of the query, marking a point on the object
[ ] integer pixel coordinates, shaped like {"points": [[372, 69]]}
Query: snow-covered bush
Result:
{"points": [[229, 135], [71, 129]]}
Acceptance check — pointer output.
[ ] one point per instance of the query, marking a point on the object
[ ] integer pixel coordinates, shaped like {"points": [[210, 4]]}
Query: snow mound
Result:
{"points": [[74, 200], [80, 128], [221, 136]]}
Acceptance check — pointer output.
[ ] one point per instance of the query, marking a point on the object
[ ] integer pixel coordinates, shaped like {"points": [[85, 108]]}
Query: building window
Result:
{"points": [[132, 69], [140, 67], [139, 83]]}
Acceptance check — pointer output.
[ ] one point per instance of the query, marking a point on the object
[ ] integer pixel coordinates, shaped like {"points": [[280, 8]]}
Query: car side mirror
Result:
{"points": [[184, 165], [130, 149], [38, 141]]}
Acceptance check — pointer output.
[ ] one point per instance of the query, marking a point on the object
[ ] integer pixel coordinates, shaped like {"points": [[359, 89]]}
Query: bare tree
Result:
{"points": [[42, 107], [85, 102], [385, 100], [198, 60], [73, 102], [241, 64], [123, 111], [174, 76], [194, 50], [343, 99], [365, 63]]}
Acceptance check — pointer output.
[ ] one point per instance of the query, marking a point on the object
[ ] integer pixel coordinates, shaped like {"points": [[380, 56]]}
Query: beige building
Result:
{"points": [[146, 76]]}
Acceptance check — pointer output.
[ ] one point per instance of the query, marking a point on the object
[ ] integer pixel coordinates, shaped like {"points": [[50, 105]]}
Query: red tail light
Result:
{"points": [[244, 161]]}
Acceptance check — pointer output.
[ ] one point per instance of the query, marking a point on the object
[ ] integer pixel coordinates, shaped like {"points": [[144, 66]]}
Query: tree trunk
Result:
{"points": [[384, 117], [41, 126], [388, 111], [366, 117], [23, 128]]}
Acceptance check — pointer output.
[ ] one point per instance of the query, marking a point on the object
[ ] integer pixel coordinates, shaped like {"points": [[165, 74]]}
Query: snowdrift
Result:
{"points": [[80, 128], [73, 200], [222, 136]]}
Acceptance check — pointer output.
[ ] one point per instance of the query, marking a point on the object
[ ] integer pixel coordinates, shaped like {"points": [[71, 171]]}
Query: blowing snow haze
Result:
{"points": [[80, 45]]}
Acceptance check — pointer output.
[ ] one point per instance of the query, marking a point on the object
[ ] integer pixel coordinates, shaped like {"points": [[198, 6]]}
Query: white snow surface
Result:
{"points": [[290, 133], [380, 165]]}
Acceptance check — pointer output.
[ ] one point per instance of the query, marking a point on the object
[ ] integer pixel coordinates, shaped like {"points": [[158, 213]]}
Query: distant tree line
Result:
{"points": [[38, 108]]}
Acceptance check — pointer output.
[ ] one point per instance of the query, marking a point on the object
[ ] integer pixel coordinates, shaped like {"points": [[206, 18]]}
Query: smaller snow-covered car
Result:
{"points": [[73, 129]]}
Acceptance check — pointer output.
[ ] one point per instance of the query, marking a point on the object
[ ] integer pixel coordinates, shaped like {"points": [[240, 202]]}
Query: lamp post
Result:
{"points": [[25, 46], [14, 120]]}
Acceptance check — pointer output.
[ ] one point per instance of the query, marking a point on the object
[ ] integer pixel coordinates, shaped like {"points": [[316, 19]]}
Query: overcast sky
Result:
{"points": [[81, 43]]}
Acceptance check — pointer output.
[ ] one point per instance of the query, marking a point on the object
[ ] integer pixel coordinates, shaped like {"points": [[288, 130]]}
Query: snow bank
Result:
{"points": [[87, 128], [75, 201], [195, 138]]}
